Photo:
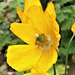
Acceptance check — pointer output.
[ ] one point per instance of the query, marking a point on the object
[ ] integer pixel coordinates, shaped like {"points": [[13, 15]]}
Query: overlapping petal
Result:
{"points": [[73, 28], [37, 18], [55, 34], [47, 59], [34, 72], [43, 23], [51, 10], [24, 31], [29, 3], [50, 7], [37, 74], [53, 28], [23, 57], [22, 15]]}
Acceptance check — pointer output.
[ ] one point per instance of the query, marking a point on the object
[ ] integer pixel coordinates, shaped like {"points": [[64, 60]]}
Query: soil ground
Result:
{"points": [[71, 70]]}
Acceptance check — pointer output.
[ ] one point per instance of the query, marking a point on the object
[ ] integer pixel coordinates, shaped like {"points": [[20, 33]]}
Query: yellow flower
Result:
{"points": [[41, 32], [33, 72], [73, 28], [50, 9]]}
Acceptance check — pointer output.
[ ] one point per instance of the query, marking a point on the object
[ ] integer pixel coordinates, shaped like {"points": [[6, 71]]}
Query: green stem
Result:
{"points": [[66, 61], [24, 72], [54, 69]]}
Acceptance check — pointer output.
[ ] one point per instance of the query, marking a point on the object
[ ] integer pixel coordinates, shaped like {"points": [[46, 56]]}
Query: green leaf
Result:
{"points": [[66, 25], [66, 35], [58, 8], [62, 17], [2, 6], [73, 11], [67, 9], [17, 3], [61, 2], [4, 40]]}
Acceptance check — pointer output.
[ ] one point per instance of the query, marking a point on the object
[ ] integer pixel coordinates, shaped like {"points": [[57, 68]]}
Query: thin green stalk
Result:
{"points": [[66, 61], [24, 72], [54, 69]]}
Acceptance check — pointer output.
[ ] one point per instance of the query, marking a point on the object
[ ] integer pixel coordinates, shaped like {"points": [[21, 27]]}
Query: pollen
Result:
{"points": [[43, 42], [37, 35]]}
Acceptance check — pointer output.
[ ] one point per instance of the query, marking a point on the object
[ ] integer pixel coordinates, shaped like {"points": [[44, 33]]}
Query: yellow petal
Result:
{"points": [[22, 57], [51, 10], [37, 74], [47, 59], [55, 34], [24, 18], [73, 28], [48, 74], [24, 31], [37, 18], [19, 11], [48, 20], [34, 71], [53, 28], [29, 3], [22, 15]]}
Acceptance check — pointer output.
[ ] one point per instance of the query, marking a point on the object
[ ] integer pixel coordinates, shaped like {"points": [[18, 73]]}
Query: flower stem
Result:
{"points": [[54, 69], [66, 61], [24, 72]]}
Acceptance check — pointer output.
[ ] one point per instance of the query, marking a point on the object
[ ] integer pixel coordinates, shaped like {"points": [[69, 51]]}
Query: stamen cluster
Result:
{"points": [[44, 42]]}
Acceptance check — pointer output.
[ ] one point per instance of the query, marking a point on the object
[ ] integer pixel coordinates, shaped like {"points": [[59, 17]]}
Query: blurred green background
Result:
{"points": [[65, 10]]}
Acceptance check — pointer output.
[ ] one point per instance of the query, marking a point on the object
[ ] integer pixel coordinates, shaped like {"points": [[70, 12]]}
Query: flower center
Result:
{"points": [[43, 42]]}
